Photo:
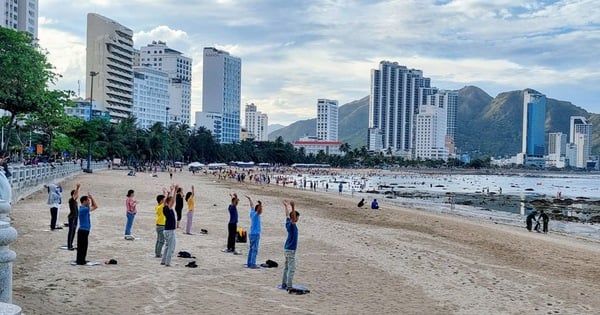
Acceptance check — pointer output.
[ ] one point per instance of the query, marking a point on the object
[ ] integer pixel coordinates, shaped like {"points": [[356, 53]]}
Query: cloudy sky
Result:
{"points": [[294, 52]]}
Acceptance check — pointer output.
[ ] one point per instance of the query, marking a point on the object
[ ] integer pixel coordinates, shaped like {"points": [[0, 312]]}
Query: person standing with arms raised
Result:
{"points": [[291, 244], [88, 204], [255, 229], [232, 225], [73, 214]]}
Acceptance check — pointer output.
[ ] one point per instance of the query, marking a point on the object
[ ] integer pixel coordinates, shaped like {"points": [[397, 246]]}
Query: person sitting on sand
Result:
{"points": [[374, 204], [361, 203]]}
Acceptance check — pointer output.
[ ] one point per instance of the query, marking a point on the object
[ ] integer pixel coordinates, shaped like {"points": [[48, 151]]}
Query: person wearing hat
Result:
{"points": [[54, 201]]}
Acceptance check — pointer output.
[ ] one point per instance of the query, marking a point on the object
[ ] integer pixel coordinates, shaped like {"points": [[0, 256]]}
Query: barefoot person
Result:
{"points": [[189, 199], [255, 227], [291, 243], [72, 217], [88, 204], [130, 212]]}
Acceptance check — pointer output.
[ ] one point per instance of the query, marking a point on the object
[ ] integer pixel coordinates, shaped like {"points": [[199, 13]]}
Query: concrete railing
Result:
{"points": [[26, 180]]}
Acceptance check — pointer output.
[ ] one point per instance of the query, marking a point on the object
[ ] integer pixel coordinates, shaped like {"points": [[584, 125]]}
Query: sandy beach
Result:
{"points": [[390, 261]]}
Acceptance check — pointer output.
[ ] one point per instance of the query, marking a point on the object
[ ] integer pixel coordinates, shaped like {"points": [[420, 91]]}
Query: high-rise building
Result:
{"points": [[211, 122], [20, 15], [327, 119], [221, 90], [430, 133], [396, 93], [159, 56], [557, 149], [534, 124], [109, 65], [257, 123], [581, 136], [150, 96]]}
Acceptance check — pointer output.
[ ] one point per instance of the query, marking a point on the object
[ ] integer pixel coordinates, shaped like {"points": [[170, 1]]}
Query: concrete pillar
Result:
{"points": [[7, 236]]}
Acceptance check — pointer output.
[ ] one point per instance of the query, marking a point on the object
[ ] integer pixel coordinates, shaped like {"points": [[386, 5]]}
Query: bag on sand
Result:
{"points": [[241, 236], [270, 264]]}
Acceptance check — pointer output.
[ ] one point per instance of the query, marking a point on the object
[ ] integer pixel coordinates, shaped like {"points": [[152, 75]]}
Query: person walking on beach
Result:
{"points": [[179, 204], [72, 217], [54, 201], [88, 204], [170, 226], [255, 229], [544, 217], [529, 220], [160, 224], [340, 188], [130, 212], [189, 199], [291, 244], [232, 225]]}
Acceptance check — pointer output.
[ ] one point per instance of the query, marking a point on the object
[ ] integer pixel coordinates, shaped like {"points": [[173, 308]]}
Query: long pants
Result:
{"points": [[290, 267], [82, 246], [178, 212], [231, 232], [253, 251], [160, 240], [72, 230], [188, 223], [169, 246], [129, 224], [545, 226], [53, 217]]}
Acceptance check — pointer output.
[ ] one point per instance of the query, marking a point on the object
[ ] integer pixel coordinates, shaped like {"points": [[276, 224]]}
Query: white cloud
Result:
{"points": [[294, 52]]}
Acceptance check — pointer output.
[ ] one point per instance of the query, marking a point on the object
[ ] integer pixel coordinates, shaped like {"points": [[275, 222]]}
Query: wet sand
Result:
{"points": [[394, 260]]}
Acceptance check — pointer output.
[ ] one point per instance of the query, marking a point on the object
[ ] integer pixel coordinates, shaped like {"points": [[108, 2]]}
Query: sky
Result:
{"points": [[295, 52]]}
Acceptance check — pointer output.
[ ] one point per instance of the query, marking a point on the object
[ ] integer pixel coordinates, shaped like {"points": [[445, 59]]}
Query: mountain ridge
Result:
{"points": [[486, 125]]}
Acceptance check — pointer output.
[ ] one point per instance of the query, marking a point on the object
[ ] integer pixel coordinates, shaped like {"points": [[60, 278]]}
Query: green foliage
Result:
{"points": [[25, 74]]}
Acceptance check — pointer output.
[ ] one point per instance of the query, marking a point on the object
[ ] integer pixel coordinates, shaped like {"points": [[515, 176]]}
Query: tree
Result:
{"points": [[25, 74], [50, 116]]}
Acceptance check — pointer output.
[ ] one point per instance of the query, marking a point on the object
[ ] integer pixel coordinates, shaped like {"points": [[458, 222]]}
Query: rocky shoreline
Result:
{"points": [[580, 209]]}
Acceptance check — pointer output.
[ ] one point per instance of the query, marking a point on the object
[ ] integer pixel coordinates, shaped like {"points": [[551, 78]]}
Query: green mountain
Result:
{"points": [[486, 126]]}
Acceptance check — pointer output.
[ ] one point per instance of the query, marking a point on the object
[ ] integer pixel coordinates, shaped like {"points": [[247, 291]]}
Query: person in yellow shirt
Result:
{"points": [[160, 225], [189, 198]]}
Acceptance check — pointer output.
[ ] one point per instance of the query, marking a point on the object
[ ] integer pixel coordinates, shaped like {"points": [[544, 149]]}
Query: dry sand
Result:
{"points": [[358, 261]]}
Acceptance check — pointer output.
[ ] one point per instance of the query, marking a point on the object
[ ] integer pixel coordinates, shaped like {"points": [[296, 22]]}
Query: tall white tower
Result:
{"points": [[159, 56], [396, 93], [109, 54], [581, 137], [222, 90], [327, 119], [257, 123], [20, 15]]}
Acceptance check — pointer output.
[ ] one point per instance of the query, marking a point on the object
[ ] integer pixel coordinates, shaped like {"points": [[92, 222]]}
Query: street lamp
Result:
{"points": [[166, 135], [89, 157]]}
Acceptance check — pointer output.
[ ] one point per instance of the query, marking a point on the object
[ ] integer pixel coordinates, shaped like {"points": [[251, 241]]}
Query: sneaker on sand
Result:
{"points": [[226, 250], [237, 253], [129, 237]]}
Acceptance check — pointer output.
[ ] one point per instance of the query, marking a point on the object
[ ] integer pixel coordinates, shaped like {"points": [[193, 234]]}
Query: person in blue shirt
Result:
{"points": [[374, 204], [291, 244], [255, 228], [88, 204], [232, 225]]}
